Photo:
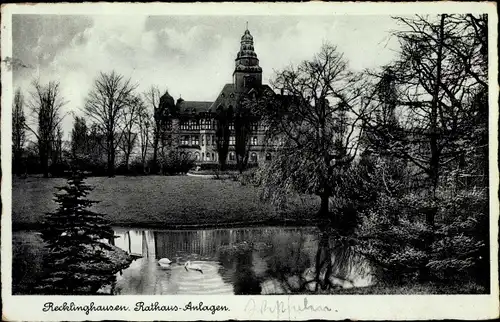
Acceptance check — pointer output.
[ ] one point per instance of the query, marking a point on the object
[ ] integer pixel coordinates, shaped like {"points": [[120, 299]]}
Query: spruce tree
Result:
{"points": [[78, 260]]}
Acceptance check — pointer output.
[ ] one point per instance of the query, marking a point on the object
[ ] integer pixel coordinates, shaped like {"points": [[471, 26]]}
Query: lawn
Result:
{"points": [[161, 201]]}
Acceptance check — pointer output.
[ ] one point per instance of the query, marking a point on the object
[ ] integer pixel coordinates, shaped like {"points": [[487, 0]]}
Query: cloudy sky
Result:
{"points": [[192, 56]]}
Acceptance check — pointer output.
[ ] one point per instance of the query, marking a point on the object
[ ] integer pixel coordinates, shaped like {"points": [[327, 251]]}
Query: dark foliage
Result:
{"points": [[76, 262], [176, 163]]}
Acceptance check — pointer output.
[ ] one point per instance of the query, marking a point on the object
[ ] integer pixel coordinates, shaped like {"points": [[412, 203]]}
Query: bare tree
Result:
{"points": [[161, 107], [57, 146], [79, 138], [18, 131], [128, 127], [106, 104], [317, 130], [46, 103], [144, 125], [435, 85]]}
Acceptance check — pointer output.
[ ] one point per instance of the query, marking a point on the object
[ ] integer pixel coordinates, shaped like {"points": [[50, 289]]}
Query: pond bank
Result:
{"points": [[190, 226]]}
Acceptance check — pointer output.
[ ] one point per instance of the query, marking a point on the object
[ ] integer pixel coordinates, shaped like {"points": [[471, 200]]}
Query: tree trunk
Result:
{"points": [[325, 202], [430, 212], [143, 161], [154, 169], [127, 160], [435, 152], [111, 158], [44, 160]]}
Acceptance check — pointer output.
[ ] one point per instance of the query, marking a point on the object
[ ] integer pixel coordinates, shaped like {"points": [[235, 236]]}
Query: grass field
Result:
{"points": [[160, 201]]}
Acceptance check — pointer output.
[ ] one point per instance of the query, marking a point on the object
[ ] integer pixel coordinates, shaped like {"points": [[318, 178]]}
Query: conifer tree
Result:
{"points": [[78, 260]]}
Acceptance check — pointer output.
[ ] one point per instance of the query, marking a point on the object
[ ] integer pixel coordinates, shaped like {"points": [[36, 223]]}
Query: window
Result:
{"points": [[184, 125], [208, 156], [231, 156], [195, 140], [213, 140], [213, 156], [231, 126], [185, 140], [196, 156], [268, 157], [203, 155], [254, 140], [208, 140], [232, 140], [202, 140], [255, 126]]}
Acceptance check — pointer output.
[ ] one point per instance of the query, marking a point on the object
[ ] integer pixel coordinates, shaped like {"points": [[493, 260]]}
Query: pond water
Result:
{"points": [[269, 260]]}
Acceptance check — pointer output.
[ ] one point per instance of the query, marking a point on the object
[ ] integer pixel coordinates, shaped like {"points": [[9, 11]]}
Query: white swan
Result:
{"points": [[194, 267], [165, 262]]}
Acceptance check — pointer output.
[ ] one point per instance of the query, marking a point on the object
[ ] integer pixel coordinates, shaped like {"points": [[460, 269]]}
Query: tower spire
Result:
{"points": [[247, 72]]}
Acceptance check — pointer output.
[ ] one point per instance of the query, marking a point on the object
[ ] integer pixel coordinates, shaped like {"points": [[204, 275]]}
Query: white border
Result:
{"points": [[356, 307]]}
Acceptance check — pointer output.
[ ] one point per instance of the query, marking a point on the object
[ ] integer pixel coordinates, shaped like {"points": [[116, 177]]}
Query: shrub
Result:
{"points": [[229, 166], [176, 163], [460, 249], [250, 177], [87, 164], [137, 168], [59, 169], [393, 232]]}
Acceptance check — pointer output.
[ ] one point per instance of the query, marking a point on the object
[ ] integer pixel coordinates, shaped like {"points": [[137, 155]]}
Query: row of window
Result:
{"points": [[207, 124], [253, 157], [196, 124], [210, 140], [231, 156]]}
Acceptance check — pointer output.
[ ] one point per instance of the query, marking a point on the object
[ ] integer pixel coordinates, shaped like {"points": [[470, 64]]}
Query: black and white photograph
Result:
{"points": [[151, 153]]}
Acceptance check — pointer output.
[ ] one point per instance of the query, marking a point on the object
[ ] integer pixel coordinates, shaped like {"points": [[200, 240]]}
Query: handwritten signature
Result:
{"points": [[283, 308]]}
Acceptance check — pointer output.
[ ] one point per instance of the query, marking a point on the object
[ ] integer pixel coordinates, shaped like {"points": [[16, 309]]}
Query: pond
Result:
{"points": [[266, 260]]}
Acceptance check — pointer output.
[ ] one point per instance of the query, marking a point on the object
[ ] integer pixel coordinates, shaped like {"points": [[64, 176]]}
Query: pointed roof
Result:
{"points": [[246, 59], [167, 105]]}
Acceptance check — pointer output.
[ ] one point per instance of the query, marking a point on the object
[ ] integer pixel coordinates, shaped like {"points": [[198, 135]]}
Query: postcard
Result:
{"points": [[249, 161]]}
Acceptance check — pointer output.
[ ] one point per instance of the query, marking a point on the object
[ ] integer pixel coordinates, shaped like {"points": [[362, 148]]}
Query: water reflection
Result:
{"points": [[271, 260]]}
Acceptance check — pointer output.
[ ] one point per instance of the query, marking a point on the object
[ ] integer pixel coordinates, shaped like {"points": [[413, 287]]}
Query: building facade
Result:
{"points": [[193, 127]]}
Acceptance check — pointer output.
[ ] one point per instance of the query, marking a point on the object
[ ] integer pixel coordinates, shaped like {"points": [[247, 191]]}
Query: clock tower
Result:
{"points": [[247, 72]]}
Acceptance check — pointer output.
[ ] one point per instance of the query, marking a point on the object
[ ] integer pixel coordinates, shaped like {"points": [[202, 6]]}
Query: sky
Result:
{"points": [[192, 56]]}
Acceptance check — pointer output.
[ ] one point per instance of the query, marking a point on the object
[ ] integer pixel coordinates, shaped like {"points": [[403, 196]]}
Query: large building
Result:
{"points": [[193, 127]]}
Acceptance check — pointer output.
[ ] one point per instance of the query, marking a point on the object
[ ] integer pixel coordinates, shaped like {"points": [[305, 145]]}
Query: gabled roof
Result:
{"points": [[229, 97]]}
